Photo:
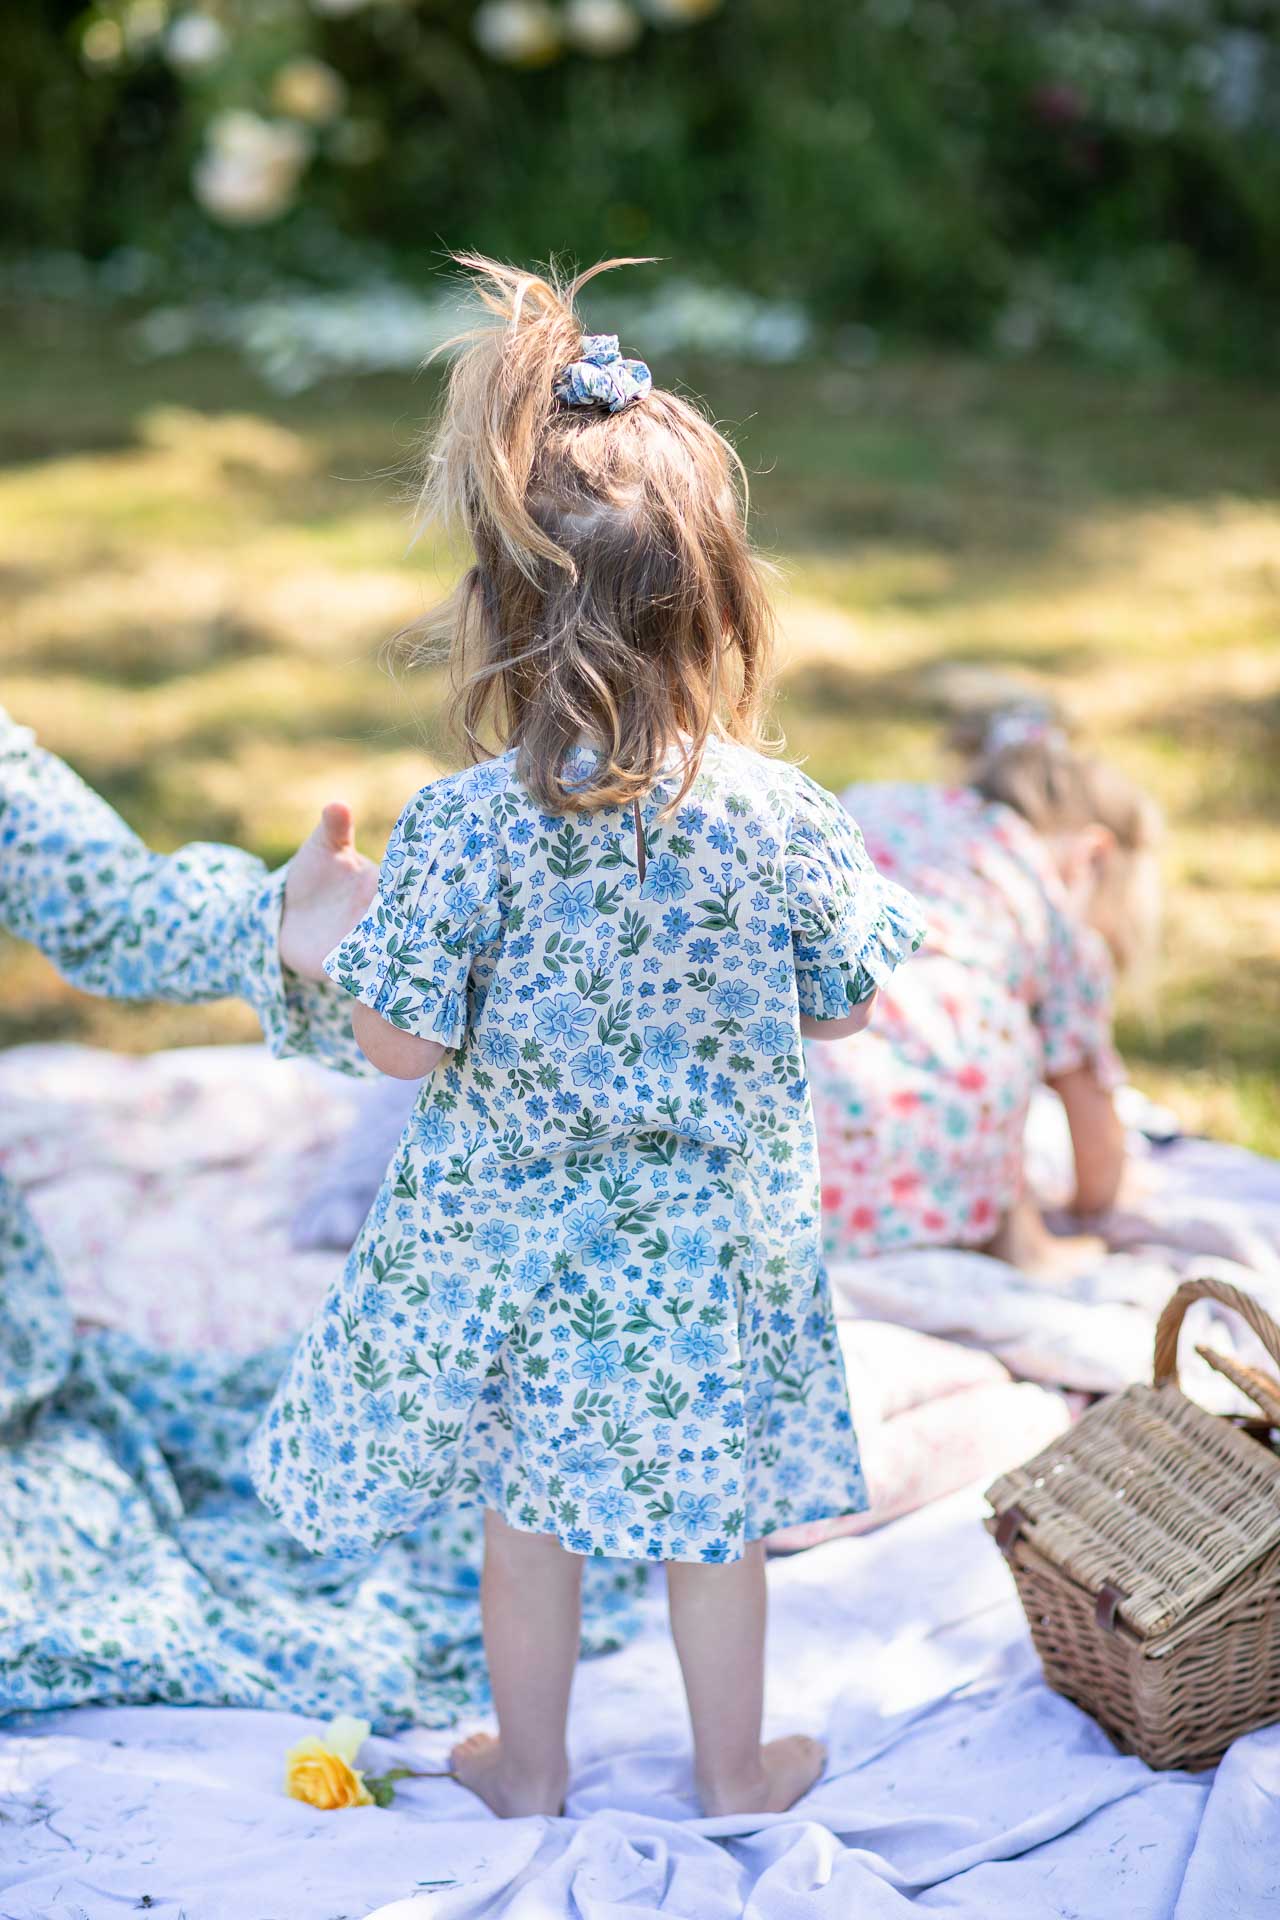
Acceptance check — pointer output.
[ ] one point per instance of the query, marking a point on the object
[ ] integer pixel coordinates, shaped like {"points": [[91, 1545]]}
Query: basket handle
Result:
{"points": [[1169, 1326]]}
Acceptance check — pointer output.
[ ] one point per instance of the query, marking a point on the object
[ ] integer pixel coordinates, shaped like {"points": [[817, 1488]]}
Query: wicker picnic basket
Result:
{"points": [[1145, 1543]]}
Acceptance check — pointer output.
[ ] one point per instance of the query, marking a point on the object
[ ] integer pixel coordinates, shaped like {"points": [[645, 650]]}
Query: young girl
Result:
{"points": [[589, 1294], [1039, 878]]}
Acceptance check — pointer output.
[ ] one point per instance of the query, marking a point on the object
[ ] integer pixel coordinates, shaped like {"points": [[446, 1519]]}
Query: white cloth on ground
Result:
{"points": [[958, 1784]]}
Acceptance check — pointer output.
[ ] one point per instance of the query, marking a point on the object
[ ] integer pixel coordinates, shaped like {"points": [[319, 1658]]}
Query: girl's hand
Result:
{"points": [[327, 890]]}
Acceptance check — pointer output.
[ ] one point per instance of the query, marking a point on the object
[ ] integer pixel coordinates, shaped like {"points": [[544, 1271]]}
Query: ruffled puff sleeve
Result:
{"points": [[438, 904], [850, 927]]}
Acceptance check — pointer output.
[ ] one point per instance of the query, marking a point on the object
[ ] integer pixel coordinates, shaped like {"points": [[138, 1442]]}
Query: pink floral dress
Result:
{"points": [[920, 1119]]}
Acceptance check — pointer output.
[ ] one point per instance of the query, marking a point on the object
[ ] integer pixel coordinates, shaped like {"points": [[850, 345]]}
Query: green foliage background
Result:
{"points": [[1111, 168]]}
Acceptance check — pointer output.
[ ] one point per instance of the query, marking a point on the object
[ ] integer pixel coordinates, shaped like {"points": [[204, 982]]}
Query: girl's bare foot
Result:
{"points": [[787, 1770], [477, 1764], [1023, 1240]]}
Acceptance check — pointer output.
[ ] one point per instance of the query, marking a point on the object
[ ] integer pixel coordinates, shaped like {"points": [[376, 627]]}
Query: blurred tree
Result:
{"points": [[1094, 172]]}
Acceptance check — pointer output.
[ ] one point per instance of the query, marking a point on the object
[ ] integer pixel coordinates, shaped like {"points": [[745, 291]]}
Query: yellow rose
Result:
{"points": [[322, 1773]]}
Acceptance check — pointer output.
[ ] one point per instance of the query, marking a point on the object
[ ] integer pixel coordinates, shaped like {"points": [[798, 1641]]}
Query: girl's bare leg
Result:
{"points": [[717, 1623], [531, 1605]]}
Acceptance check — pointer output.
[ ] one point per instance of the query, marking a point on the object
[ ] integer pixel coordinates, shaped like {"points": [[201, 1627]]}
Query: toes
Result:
{"points": [[472, 1748]]}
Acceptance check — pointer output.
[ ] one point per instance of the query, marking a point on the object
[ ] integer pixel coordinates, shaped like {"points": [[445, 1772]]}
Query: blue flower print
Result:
{"points": [[586, 1224], [563, 1018], [499, 1049], [697, 1346], [605, 1248], [590, 1294], [450, 1294], [772, 1036], [379, 1411], [734, 999], [697, 1513], [433, 1130], [585, 1465], [599, 1365], [665, 1046], [455, 1389], [611, 1507], [534, 1270], [499, 1238], [462, 900], [691, 1252], [573, 907], [665, 879], [593, 1068]]}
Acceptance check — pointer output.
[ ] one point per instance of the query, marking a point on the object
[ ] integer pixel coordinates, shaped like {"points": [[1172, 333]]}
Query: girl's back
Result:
{"points": [[603, 1214], [628, 971], [590, 1293]]}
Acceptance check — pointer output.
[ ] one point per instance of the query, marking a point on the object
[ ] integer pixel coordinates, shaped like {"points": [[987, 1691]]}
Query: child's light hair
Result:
{"points": [[615, 596], [1021, 755]]}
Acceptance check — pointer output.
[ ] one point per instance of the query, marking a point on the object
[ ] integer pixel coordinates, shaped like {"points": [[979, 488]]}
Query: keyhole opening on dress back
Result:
{"points": [[642, 852]]}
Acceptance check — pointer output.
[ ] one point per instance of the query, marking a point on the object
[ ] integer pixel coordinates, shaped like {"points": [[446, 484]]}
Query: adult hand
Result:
{"points": [[327, 890]]}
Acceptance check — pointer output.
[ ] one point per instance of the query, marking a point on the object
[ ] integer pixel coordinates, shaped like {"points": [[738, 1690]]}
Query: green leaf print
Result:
{"points": [[666, 1398], [561, 953], [633, 934], [646, 1476], [611, 1027], [590, 1405], [719, 915], [371, 1371], [568, 855], [594, 1319], [593, 986], [619, 1439]]}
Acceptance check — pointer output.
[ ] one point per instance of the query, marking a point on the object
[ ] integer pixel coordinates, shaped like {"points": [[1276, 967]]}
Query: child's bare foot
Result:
{"points": [[1023, 1240], [787, 1770], [478, 1764]]}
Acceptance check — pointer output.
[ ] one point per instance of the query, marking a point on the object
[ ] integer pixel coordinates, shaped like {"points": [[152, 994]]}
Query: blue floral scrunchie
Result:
{"points": [[602, 378]]}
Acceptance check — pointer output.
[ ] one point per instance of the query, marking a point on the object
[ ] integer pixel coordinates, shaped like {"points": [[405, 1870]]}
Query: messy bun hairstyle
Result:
{"points": [[1020, 753], [614, 595]]}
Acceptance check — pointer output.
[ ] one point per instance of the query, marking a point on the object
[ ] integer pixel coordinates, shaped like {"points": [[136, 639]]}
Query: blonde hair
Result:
{"points": [[615, 595], [1032, 766]]}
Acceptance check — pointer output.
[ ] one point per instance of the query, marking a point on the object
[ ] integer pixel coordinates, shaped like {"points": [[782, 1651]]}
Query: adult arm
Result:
{"points": [[200, 924]]}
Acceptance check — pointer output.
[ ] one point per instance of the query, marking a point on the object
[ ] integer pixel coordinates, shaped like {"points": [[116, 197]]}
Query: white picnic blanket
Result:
{"points": [[958, 1785]]}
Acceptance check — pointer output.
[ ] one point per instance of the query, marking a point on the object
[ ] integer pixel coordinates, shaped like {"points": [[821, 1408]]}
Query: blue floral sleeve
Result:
{"points": [[439, 901], [850, 927], [118, 920]]}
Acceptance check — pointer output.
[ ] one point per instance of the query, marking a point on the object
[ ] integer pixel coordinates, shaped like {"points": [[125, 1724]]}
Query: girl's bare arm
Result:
{"points": [[854, 1022], [403, 1055], [1097, 1139]]}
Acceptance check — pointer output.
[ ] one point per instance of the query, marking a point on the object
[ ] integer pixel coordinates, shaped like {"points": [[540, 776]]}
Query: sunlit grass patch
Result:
{"points": [[198, 586]]}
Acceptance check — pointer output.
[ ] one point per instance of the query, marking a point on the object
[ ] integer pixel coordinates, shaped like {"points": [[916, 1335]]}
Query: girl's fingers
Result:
{"points": [[338, 827]]}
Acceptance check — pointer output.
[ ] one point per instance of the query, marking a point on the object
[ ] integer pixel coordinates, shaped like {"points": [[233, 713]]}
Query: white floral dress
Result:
{"points": [[590, 1293], [921, 1120]]}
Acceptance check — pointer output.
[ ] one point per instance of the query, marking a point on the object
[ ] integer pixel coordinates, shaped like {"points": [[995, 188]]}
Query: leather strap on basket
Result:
{"points": [[1008, 1527], [1109, 1602], [1165, 1368]]}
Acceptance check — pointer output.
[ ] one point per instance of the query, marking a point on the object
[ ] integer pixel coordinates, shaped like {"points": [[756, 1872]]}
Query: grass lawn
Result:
{"points": [[198, 581]]}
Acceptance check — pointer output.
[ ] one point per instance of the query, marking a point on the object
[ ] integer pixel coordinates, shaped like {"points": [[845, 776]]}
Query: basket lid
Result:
{"points": [[1151, 1498]]}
